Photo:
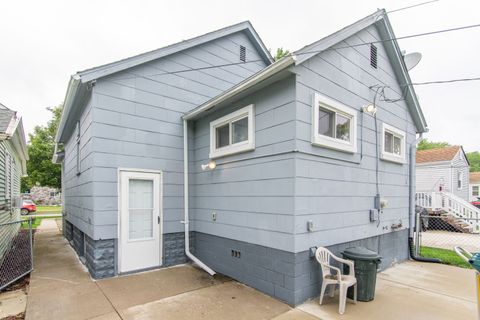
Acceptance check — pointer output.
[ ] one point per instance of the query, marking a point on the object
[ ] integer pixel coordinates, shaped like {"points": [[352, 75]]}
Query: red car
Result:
{"points": [[476, 203], [27, 207]]}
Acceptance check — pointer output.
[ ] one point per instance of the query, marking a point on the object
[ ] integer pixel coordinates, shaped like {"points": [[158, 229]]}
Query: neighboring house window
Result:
{"points": [[393, 144], [232, 133], [334, 124], [475, 191], [78, 147], [459, 180]]}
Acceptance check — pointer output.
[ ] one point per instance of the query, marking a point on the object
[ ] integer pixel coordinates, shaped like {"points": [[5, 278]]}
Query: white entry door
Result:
{"points": [[140, 220]]}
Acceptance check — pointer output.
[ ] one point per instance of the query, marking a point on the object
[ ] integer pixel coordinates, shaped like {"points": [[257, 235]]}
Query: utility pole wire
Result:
{"points": [[412, 6]]}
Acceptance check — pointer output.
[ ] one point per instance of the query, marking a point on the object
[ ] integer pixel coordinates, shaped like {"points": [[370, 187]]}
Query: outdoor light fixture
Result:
{"points": [[210, 165], [370, 109]]}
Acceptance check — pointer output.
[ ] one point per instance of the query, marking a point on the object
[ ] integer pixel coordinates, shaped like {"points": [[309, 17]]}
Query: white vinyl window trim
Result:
{"points": [[396, 133], [232, 148], [324, 102], [459, 180]]}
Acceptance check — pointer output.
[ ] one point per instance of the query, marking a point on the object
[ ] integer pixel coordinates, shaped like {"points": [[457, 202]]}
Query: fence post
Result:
{"points": [[418, 228], [30, 231]]}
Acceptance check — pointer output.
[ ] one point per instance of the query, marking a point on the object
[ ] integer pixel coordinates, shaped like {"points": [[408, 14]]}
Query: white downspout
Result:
{"points": [[185, 202], [413, 151]]}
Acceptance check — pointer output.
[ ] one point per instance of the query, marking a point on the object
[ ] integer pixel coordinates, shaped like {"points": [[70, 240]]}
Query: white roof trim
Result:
{"points": [[264, 74]]}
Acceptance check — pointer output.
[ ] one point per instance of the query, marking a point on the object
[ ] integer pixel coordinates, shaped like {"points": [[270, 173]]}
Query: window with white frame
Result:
{"points": [[459, 180], [8, 176], [232, 133], [334, 124], [393, 144], [475, 191]]}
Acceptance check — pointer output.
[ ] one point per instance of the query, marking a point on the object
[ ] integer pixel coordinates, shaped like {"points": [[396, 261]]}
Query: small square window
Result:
{"points": [[232, 133], [334, 124], [475, 191], [393, 144]]}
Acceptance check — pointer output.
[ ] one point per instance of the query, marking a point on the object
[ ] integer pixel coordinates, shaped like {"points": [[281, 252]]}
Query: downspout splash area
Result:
{"points": [[186, 203]]}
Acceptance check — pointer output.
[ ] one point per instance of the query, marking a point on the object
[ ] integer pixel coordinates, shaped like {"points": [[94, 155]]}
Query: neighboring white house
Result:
{"points": [[443, 169], [474, 186]]}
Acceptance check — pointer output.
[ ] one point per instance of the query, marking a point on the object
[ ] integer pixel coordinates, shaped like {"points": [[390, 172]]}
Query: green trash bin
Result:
{"points": [[366, 264]]}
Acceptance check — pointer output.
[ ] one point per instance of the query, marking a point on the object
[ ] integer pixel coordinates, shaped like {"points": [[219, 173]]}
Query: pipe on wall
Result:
{"points": [[186, 204], [411, 217]]}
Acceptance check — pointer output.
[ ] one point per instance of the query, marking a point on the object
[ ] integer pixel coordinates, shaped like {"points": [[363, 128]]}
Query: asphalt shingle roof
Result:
{"points": [[437, 155]]}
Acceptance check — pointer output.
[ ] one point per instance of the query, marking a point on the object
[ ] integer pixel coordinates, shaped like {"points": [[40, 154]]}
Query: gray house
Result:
{"points": [[209, 151], [13, 156]]}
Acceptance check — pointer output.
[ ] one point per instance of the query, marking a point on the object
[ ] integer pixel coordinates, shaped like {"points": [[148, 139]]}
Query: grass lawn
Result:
{"points": [[445, 255], [48, 209], [35, 221]]}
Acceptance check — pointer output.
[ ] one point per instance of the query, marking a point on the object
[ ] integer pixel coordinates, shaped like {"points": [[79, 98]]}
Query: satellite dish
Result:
{"points": [[412, 59]]}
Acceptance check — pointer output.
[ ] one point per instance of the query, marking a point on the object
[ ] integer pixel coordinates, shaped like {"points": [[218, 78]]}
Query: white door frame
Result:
{"points": [[119, 220]]}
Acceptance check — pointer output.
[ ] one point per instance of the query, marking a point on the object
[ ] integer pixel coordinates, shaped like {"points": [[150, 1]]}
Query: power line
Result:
{"points": [[316, 51], [445, 81], [412, 6]]}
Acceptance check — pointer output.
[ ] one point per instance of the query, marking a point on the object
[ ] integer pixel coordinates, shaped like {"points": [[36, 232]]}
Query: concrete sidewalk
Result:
{"points": [[61, 288]]}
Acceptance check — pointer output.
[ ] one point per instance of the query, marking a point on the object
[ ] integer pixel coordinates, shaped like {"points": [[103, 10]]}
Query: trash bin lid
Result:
{"points": [[361, 253]]}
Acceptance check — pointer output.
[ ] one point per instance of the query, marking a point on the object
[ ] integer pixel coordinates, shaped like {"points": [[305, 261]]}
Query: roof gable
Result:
{"points": [[438, 154], [117, 66], [78, 87], [385, 30]]}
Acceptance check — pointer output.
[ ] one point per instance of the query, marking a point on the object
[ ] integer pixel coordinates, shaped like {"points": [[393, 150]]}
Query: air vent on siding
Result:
{"points": [[373, 56], [243, 54]]}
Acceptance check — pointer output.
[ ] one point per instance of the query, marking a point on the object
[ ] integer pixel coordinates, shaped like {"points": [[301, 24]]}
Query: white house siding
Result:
{"points": [[431, 177], [331, 188], [136, 122], [7, 213], [460, 164]]}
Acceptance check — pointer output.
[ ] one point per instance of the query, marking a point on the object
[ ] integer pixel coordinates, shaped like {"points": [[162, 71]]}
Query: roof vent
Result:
{"points": [[243, 54], [373, 55]]}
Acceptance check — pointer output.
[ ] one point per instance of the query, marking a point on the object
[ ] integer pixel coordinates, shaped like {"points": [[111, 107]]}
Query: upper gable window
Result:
{"points": [[334, 124], [459, 180], [232, 133], [373, 56], [393, 146]]}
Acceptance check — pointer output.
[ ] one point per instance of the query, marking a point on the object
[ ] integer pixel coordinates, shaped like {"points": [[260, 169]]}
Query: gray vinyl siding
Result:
{"points": [[335, 189], [7, 213], [136, 123], [79, 189], [251, 192]]}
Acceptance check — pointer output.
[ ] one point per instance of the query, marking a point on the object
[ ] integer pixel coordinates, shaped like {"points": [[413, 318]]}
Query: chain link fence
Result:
{"points": [[16, 251], [440, 233]]}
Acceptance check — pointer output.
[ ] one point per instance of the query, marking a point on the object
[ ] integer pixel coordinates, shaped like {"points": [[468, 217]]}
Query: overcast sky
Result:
{"points": [[43, 42]]}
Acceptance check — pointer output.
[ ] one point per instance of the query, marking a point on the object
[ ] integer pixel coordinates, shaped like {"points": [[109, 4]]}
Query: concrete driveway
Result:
{"points": [[61, 288]]}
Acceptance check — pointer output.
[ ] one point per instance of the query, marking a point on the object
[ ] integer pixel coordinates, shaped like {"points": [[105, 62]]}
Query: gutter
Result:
{"points": [[185, 203], [248, 83]]}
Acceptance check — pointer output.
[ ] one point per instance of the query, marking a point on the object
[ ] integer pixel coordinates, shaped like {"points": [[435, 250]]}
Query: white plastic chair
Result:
{"points": [[323, 256]]}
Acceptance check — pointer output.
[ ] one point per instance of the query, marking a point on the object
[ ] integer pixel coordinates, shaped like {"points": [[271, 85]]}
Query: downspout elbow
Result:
{"points": [[186, 204]]}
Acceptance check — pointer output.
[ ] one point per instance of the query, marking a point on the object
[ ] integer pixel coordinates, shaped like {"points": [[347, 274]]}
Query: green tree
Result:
{"points": [[474, 159], [280, 54], [40, 169], [426, 145]]}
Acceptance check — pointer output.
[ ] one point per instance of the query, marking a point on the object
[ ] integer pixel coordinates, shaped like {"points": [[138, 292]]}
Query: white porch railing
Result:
{"points": [[451, 205]]}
